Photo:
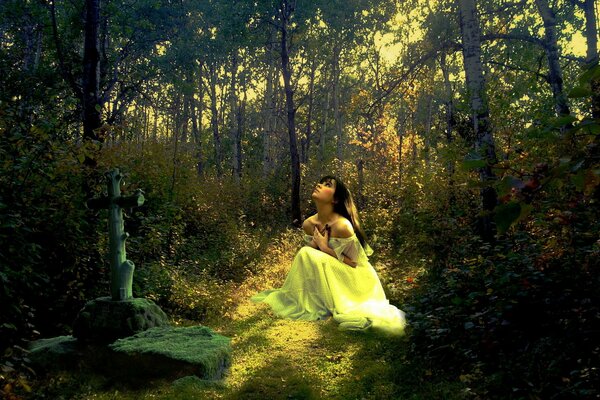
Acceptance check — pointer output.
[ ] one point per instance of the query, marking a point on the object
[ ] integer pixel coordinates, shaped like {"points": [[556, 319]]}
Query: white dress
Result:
{"points": [[319, 285]]}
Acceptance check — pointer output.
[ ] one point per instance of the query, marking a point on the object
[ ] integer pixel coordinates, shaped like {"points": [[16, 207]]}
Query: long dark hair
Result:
{"points": [[344, 205]]}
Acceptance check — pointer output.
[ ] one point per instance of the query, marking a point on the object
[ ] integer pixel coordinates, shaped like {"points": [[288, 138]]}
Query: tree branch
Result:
{"points": [[65, 72], [432, 53], [517, 68], [514, 36]]}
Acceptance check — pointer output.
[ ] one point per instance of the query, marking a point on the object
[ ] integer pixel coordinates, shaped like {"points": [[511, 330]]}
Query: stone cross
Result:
{"points": [[121, 269]]}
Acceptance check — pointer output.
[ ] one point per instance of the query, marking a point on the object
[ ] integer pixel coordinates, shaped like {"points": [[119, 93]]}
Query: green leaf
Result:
{"points": [[506, 215], [6, 325], [525, 211], [579, 91], [473, 161], [590, 75], [591, 126]]}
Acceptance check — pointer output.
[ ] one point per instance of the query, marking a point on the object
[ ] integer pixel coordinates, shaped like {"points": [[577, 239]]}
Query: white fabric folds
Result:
{"points": [[319, 285]]}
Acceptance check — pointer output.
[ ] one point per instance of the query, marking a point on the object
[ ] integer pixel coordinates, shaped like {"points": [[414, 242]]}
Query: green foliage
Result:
{"points": [[518, 317], [194, 238]]}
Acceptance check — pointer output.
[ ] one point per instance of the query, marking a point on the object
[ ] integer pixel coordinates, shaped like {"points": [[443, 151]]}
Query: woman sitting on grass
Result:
{"points": [[331, 275]]}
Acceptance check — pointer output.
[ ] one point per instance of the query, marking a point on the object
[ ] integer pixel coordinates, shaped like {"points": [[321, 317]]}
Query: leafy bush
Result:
{"points": [[518, 317]]}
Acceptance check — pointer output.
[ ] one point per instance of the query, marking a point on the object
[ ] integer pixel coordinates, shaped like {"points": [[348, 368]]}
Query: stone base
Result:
{"points": [[161, 352], [104, 320]]}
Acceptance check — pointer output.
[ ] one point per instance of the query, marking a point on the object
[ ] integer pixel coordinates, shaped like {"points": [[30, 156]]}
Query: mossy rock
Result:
{"points": [[57, 352], [104, 320], [160, 352], [176, 352]]}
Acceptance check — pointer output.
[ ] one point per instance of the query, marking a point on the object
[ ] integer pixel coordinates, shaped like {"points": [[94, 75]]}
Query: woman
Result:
{"points": [[331, 275]]}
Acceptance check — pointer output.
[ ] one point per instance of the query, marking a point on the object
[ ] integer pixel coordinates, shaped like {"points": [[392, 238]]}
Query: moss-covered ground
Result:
{"points": [[275, 358]]}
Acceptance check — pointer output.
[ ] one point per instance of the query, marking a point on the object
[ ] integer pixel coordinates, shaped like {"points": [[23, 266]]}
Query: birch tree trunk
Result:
{"points": [[450, 122], [449, 105], [484, 140], [551, 48], [591, 59]]}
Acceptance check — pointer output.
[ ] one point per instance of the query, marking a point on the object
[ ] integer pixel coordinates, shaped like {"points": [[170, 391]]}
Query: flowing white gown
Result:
{"points": [[319, 285]]}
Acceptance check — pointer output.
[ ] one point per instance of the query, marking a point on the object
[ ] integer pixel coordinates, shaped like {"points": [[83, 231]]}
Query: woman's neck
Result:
{"points": [[325, 213]]}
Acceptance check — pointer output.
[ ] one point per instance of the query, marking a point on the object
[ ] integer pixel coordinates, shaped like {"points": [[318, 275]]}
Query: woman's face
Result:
{"points": [[324, 191]]}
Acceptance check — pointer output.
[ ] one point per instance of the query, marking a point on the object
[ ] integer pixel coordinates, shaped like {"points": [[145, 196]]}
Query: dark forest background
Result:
{"points": [[467, 133]]}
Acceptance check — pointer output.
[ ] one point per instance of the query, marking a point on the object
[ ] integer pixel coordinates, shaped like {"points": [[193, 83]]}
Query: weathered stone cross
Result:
{"points": [[121, 269]]}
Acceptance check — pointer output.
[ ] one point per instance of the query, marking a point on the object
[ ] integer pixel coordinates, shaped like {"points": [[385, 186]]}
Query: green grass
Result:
{"points": [[275, 358]]}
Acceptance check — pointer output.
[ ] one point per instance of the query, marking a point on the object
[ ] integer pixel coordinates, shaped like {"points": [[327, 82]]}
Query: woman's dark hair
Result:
{"points": [[344, 205]]}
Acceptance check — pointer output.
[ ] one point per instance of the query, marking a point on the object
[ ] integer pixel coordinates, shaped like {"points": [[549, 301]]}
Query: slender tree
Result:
{"points": [[286, 12], [484, 139], [591, 59], [555, 75]]}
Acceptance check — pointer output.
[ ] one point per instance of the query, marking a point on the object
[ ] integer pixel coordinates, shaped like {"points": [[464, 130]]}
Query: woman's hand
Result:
{"points": [[321, 240]]}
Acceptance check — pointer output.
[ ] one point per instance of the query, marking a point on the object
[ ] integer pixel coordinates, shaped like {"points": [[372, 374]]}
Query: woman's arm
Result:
{"points": [[322, 242], [331, 252], [349, 261]]}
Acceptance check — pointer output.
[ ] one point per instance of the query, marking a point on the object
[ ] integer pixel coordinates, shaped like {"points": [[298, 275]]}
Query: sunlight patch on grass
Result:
{"points": [[280, 358]]}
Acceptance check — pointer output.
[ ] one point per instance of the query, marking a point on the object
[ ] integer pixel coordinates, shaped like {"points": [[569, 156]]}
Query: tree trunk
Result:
{"points": [[32, 38], [591, 59], [450, 122], [551, 47], [269, 108], [233, 118], [336, 100], [286, 13], [323, 135], [241, 109], [185, 117], [309, 116], [197, 120], [214, 119], [155, 127], [268, 130], [91, 71], [401, 131], [427, 141], [484, 140], [361, 182]]}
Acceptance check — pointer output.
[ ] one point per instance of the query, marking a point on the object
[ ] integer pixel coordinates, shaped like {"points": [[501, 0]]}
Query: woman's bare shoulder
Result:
{"points": [[308, 224], [342, 228]]}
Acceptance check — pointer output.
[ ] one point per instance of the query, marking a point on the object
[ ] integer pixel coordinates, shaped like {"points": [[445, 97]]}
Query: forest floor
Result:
{"points": [[275, 358]]}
